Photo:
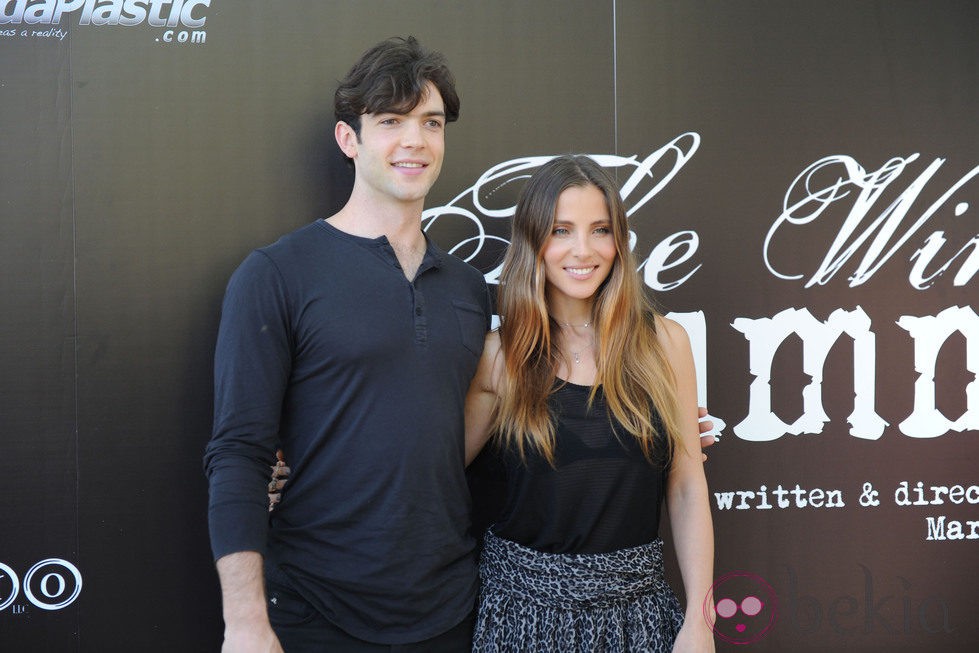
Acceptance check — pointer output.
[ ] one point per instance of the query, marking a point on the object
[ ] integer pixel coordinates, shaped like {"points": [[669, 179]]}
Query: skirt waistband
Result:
{"points": [[580, 580]]}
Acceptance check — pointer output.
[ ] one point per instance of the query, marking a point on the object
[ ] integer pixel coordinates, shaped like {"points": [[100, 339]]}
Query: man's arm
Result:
{"points": [[251, 370], [246, 619]]}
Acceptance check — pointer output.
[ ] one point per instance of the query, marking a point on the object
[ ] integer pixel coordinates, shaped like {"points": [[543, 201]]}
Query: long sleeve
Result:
{"points": [[252, 365]]}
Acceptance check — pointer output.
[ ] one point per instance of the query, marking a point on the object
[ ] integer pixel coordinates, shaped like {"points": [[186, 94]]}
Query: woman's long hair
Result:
{"points": [[633, 370]]}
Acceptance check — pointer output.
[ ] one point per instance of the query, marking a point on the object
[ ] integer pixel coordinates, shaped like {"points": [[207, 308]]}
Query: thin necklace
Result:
{"points": [[577, 354], [567, 324], [581, 350]]}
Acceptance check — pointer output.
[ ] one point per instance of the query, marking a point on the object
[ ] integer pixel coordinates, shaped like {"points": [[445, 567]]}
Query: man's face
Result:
{"points": [[398, 156]]}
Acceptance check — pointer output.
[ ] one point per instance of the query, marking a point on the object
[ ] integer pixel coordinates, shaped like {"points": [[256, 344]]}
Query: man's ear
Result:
{"points": [[346, 139]]}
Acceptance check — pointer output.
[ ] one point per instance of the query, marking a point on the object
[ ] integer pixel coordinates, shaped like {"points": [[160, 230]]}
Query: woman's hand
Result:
{"points": [[694, 637], [280, 473]]}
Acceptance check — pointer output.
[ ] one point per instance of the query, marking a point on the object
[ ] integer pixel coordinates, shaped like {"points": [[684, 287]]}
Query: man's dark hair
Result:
{"points": [[391, 76]]}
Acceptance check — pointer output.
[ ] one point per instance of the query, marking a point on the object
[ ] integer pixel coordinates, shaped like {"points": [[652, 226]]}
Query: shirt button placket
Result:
{"points": [[421, 320]]}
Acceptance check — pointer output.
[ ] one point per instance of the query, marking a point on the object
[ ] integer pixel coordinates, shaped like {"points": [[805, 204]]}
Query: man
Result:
{"points": [[350, 343]]}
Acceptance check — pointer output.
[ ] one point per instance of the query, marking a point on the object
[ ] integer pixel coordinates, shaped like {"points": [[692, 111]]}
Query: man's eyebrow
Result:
{"points": [[392, 112]]}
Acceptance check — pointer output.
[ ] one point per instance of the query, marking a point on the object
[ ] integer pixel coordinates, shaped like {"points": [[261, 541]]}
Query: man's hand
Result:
{"points": [[259, 638], [705, 425]]}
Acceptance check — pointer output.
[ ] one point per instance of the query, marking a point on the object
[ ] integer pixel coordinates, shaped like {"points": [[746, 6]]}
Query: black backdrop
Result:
{"points": [[139, 163]]}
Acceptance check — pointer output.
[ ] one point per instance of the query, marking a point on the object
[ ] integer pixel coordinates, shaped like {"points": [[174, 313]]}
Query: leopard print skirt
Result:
{"points": [[545, 603]]}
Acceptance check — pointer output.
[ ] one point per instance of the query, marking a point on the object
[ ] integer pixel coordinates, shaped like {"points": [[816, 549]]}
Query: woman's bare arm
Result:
{"points": [[482, 395]]}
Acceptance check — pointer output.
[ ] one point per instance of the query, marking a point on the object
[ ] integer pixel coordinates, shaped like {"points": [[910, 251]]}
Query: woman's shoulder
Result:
{"points": [[491, 362], [670, 333], [492, 344]]}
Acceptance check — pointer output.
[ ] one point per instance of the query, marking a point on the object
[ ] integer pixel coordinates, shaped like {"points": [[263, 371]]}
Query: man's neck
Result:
{"points": [[399, 223], [369, 218]]}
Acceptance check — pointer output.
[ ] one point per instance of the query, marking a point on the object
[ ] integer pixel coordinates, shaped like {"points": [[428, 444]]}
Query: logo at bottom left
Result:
{"points": [[50, 584]]}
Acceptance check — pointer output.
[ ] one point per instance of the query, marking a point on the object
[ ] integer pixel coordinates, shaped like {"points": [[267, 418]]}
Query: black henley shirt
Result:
{"points": [[360, 375]]}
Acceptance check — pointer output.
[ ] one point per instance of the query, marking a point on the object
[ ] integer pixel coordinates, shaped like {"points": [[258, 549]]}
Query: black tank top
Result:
{"points": [[602, 494]]}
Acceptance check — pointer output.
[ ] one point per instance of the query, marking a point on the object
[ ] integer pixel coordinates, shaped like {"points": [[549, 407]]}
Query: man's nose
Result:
{"points": [[411, 134]]}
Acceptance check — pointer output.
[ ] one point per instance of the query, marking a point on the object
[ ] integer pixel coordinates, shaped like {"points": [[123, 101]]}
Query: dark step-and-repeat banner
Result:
{"points": [[801, 181]]}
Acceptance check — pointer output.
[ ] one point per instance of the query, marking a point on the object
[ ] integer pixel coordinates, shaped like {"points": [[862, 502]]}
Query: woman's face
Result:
{"points": [[580, 252]]}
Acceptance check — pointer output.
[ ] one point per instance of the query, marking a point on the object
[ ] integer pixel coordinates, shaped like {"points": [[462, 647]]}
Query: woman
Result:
{"points": [[589, 397]]}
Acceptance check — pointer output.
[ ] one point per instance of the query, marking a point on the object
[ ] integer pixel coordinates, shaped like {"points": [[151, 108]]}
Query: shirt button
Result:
{"points": [[418, 311]]}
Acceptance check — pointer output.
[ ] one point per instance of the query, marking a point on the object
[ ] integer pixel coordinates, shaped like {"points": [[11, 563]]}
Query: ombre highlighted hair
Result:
{"points": [[635, 376]]}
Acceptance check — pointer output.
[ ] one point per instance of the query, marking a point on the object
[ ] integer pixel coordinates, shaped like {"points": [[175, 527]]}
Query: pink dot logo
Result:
{"points": [[740, 607]]}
